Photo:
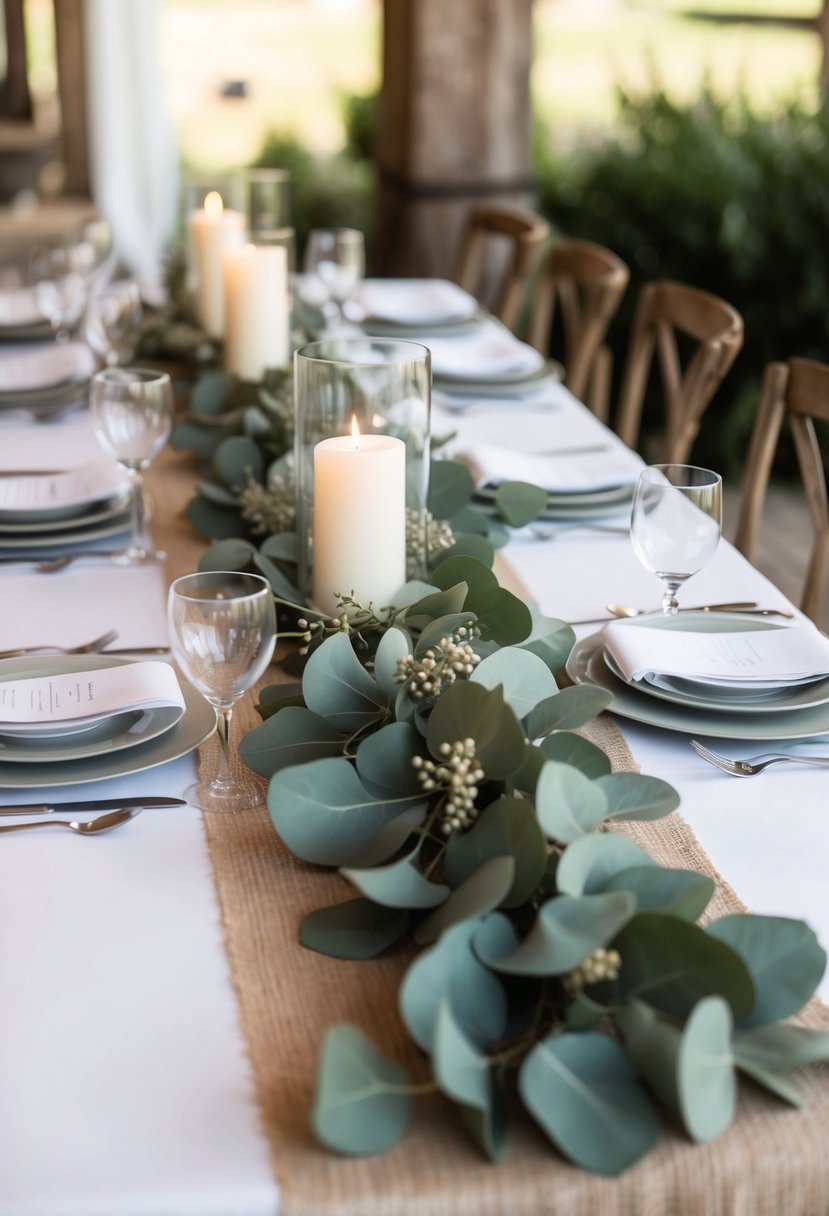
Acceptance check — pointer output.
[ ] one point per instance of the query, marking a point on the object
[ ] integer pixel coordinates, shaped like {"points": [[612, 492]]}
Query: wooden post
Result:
{"points": [[454, 123], [69, 40], [823, 34], [15, 99]]}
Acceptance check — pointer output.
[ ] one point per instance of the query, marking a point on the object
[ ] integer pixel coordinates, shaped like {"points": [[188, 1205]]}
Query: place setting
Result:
{"points": [[46, 381], [756, 674]]}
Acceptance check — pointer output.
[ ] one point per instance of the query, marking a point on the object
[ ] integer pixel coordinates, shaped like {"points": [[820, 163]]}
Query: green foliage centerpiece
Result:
{"points": [[430, 756]]}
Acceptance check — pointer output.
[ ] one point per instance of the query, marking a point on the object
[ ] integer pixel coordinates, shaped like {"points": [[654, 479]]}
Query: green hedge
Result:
{"points": [[721, 198]]}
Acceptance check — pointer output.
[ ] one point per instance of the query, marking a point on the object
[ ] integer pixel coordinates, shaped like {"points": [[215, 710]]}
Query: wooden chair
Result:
{"points": [[797, 390], [523, 233], [588, 282], [664, 310]]}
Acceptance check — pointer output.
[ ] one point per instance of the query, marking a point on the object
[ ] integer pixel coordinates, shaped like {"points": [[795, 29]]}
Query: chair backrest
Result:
{"points": [[662, 311], [523, 233], [587, 282], [797, 390]]}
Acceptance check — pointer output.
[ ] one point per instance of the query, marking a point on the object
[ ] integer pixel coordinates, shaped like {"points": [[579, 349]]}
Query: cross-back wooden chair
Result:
{"points": [[587, 282], [797, 390], [523, 232], [663, 311]]}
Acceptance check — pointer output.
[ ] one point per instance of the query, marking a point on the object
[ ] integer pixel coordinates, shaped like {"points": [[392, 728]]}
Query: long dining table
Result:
{"points": [[127, 1083]]}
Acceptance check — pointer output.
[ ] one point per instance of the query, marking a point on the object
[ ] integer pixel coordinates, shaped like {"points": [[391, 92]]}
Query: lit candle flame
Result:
{"points": [[355, 433], [213, 204]]}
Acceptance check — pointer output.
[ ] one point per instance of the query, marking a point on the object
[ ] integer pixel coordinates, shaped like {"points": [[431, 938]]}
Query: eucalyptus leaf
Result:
{"points": [[394, 645], [569, 748], [450, 970], [566, 930], [464, 1074], [454, 570], [467, 710], [280, 586], [231, 554], [211, 521], [238, 460], [567, 803], [526, 777], [443, 627], [501, 615], [682, 893], [706, 1080], [507, 828], [391, 837], [324, 813], [590, 862], [470, 545], [524, 678], [274, 697], [781, 1048], [635, 796], [337, 686], [450, 488], [483, 891], [439, 603], [218, 494], [784, 957], [399, 884], [673, 965], [210, 393], [190, 437], [384, 759], [584, 1092], [583, 1013], [470, 522], [652, 1042], [356, 929], [362, 1102], [295, 735], [519, 502], [411, 592], [280, 547], [569, 708]]}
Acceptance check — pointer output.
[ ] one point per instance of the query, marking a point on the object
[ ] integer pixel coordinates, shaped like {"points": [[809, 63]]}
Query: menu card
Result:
{"points": [[35, 704], [795, 654], [94, 481]]}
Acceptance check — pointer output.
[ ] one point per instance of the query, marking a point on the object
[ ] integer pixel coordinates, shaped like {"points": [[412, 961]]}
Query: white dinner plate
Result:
{"points": [[16, 523], [196, 724], [63, 540], [586, 665]]}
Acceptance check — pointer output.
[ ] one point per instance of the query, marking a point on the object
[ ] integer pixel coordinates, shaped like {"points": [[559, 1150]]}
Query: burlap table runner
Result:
{"points": [[774, 1161]]}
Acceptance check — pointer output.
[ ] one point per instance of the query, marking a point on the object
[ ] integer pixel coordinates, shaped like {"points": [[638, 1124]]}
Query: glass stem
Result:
{"points": [[137, 505], [224, 777], [670, 604]]}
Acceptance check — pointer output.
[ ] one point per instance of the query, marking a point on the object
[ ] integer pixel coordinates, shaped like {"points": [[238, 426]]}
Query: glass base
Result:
{"points": [[135, 555], [225, 797]]}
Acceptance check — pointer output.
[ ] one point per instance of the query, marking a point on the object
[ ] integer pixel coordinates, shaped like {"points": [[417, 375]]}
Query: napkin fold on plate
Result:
{"points": [[72, 489], [46, 367], [415, 301], [18, 306], [749, 660], [609, 468], [487, 350], [64, 702]]}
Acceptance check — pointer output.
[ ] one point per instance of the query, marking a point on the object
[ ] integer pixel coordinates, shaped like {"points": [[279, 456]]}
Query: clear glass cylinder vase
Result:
{"points": [[360, 397]]}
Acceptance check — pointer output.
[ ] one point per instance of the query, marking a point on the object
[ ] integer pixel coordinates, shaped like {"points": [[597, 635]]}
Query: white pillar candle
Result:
{"points": [[212, 229], [256, 309], [359, 519]]}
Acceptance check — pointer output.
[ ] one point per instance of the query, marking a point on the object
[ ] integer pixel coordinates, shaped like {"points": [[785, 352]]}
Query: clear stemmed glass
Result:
{"points": [[58, 273], [335, 257], [132, 413], [113, 317], [222, 632], [675, 523]]}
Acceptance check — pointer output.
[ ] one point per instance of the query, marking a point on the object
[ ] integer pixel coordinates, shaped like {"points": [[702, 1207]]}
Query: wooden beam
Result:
{"points": [[69, 43]]}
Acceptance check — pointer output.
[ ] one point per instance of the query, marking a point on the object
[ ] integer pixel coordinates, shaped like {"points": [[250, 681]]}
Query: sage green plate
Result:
{"points": [[60, 539], [196, 724], [586, 665]]}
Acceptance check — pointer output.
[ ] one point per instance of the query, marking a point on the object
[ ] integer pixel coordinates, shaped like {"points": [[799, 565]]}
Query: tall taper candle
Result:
{"points": [[213, 229], [359, 519]]}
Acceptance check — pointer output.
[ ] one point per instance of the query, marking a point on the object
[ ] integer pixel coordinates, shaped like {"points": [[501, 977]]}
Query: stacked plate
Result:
{"points": [[46, 380], [110, 745], [414, 303], [725, 707], [20, 318], [47, 514]]}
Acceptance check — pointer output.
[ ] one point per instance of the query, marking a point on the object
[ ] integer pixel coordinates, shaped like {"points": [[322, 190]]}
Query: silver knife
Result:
{"points": [[94, 804]]}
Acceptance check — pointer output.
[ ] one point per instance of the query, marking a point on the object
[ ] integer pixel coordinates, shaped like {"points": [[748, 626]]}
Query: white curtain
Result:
{"points": [[132, 144]]}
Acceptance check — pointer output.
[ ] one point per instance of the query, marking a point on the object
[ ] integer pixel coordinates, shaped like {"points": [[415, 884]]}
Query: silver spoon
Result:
{"points": [[91, 827], [94, 647]]}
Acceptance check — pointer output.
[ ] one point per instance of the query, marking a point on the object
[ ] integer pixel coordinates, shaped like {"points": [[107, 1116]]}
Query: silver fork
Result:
{"points": [[754, 764], [93, 647]]}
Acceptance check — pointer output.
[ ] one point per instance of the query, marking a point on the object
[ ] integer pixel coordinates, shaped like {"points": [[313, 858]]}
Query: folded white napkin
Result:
{"points": [[750, 660], [19, 307], [487, 350], [46, 366], [39, 704], [94, 481], [606, 467], [415, 301]]}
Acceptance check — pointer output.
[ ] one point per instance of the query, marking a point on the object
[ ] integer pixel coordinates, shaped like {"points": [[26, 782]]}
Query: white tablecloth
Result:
{"points": [[126, 1090]]}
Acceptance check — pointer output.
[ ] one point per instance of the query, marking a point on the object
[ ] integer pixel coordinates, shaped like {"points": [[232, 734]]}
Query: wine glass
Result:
{"points": [[132, 414], [675, 523], [113, 317], [58, 273], [335, 258], [222, 633]]}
